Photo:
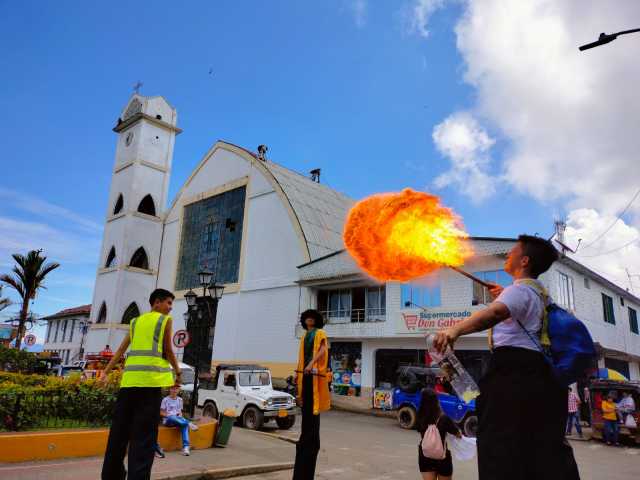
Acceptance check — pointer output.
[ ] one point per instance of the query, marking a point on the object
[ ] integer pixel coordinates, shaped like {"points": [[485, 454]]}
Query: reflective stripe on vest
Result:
{"points": [[145, 365]]}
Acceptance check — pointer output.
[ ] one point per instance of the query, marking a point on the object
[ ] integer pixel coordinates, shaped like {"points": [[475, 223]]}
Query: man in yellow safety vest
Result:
{"points": [[146, 370]]}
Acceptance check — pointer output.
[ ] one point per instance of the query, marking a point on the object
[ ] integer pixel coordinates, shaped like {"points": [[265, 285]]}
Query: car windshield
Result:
{"points": [[254, 379], [188, 375]]}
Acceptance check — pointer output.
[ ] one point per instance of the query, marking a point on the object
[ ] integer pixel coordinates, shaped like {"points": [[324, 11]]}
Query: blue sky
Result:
{"points": [[341, 85]]}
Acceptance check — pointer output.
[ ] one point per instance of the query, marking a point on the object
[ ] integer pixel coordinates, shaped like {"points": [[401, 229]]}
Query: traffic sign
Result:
{"points": [[181, 338], [30, 340]]}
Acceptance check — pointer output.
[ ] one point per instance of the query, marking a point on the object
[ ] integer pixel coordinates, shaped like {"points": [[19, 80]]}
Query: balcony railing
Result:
{"points": [[355, 315]]}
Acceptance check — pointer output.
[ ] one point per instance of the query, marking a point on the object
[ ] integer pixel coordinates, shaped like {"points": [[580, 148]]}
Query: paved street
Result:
{"points": [[354, 447], [358, 447]]}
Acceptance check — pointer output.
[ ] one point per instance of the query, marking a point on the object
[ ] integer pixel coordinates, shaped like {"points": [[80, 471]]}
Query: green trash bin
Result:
{"points": [[225, 424]]}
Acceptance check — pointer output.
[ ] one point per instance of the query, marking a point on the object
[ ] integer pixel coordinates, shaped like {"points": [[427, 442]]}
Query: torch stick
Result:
{"points": [[472, 277]]}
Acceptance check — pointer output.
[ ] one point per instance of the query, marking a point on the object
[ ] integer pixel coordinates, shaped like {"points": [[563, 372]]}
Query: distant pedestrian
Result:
{"points": [[574, 413], [626, 406], [587, 404], [313, 392], [137, 411], [430, 413], [610, 417], [522, 408]]}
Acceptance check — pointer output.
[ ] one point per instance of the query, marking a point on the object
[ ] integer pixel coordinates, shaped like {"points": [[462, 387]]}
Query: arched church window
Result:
{"points": [[102, 315], [147, 206], [130, 313], [140, 259], [111, 258], [119, 205]]}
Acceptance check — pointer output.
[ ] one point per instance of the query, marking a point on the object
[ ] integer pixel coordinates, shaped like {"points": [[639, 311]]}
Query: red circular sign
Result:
{"points": [[181, 338], [30, 340]]}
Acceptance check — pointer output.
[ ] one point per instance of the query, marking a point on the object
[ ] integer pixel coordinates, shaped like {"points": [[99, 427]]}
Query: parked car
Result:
{"points": [[599, 389], [407, 396], [248, 390], [188, 375]]}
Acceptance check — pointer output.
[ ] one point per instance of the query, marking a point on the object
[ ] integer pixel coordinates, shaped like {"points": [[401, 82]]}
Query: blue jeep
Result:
{"points": [[406, 399]]}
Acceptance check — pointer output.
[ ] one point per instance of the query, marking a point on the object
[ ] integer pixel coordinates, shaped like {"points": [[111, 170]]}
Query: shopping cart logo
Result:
{"points": [[410, 320]]}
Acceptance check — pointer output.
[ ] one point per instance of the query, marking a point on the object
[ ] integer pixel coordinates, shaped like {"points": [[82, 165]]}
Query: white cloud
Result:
{"points": [[60, 245], [419, 14], [46, 209], [466, 144], [359, 9], [569, 118], [605, 256]]}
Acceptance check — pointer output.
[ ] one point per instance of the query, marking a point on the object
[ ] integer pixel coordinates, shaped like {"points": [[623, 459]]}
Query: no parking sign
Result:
{"points": [[30, 340], [181, 338]]}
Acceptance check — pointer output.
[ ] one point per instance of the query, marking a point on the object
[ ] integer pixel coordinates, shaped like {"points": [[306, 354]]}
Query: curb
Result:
{"points": [[276, 436], [233, 472], [371, 412]]}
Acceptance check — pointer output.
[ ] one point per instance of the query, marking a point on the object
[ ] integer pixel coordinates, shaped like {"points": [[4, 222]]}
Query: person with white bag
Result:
{"points": [[434, 458]]}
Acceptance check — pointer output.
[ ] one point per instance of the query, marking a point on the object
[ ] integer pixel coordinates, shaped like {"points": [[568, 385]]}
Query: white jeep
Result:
{"points": [[248, 390]]}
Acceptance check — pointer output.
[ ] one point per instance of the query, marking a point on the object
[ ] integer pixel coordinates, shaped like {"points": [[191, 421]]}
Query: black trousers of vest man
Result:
{"points": [[308, 445], [135, 423], [522, 418]]}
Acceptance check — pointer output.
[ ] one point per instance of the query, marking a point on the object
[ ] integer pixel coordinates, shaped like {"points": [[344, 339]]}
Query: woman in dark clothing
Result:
{"points": [[430, 413]]}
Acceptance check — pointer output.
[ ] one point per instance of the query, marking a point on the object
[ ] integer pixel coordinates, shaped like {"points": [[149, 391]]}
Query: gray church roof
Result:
{"points": [[321, 210]]}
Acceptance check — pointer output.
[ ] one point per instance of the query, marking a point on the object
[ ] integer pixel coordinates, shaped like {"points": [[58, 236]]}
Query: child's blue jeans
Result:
{"points": [[181, 423]]}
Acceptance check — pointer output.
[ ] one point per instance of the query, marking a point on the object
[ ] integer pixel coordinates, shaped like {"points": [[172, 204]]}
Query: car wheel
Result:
{"points": [[252, 418], [407, 417], [470, 426], [210, 410], [286, 423]]}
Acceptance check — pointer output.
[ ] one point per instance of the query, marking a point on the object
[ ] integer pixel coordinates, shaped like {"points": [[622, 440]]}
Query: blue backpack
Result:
{"points": [[564, 340]]}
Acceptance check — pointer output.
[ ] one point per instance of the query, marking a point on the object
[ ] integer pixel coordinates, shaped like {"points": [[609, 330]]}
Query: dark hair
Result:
{"points": [[541, 253], [160, 294], [311, 313], [429, 410]]}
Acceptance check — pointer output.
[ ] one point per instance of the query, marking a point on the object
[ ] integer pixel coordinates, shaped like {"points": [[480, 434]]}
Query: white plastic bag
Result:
{"points": [[463, 448], [630, 422]]}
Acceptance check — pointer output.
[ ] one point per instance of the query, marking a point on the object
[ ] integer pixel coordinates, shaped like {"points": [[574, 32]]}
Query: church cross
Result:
{"points": [[137, 86]]}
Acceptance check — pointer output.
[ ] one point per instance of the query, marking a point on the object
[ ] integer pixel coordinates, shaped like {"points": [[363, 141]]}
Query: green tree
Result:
{"points": [[27, 279]]}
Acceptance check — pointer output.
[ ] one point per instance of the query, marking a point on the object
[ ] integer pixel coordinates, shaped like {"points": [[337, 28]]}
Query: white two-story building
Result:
{"points": [[66, 332]]}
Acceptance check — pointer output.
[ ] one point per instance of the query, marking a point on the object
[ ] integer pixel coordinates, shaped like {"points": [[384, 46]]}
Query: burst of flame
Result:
{"points": [[403, 236]]}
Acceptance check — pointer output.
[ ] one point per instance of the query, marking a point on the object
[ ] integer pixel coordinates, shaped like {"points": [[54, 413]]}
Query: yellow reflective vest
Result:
{"points": [[145, 365]]}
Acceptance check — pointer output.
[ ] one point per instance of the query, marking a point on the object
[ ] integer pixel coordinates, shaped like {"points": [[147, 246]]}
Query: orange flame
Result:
{"points": [[403, 236]]}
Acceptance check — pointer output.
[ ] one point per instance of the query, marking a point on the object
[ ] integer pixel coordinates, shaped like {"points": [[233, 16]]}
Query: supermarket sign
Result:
{"points": [[431, 320]]}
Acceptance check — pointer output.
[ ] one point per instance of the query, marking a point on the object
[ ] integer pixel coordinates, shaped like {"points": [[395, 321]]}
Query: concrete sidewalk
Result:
{"points": [[245, 449]]}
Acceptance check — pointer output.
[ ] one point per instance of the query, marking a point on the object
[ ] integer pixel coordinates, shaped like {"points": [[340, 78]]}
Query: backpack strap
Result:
{"points": [[545, 340]]}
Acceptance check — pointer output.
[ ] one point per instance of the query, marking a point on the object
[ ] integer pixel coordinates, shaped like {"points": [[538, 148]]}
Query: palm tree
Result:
{"points": [[28, 277]]}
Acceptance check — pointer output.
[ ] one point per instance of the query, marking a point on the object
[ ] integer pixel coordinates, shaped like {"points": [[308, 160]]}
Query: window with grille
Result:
{"points": [[428, 295], [607, 309], [565, 297], [633, 320], [481, 294]]}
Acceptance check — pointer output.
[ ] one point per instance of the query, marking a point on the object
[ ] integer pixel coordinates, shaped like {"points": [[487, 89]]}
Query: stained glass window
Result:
{"points": [[211, 239]]}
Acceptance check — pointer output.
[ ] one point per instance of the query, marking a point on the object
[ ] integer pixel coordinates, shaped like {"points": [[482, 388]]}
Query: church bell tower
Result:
{"points": [[129, 258]]}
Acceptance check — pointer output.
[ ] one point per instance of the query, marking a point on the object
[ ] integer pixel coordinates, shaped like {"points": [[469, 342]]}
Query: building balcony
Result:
{"points": [[354, 323]]}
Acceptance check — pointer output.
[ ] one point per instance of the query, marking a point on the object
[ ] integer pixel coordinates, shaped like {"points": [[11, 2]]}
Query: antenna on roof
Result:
{"points": [[262, 152], [315, 175]]}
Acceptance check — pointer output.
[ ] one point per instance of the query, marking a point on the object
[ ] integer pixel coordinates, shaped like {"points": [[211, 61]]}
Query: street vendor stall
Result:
{"points": [[627, 421]]}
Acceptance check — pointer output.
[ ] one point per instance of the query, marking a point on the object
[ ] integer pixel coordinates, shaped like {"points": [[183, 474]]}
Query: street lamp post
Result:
{"points": [[605, 38], [84, 327], [199, 319]]}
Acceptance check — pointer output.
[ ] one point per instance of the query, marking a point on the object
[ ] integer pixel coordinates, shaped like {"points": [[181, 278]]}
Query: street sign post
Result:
{"points": [[181, 338]]}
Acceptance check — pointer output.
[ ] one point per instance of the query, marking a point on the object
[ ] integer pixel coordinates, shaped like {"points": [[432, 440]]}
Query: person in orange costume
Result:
{"points": [[313, 392]]}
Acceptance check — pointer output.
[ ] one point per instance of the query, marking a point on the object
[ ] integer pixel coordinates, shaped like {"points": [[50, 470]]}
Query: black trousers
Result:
{"points": [[308, 445], [135, 423], [522, 415]]}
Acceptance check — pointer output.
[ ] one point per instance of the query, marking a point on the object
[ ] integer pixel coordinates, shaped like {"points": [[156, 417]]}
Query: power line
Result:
{"points": [[611, 251], [614, 222]]}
